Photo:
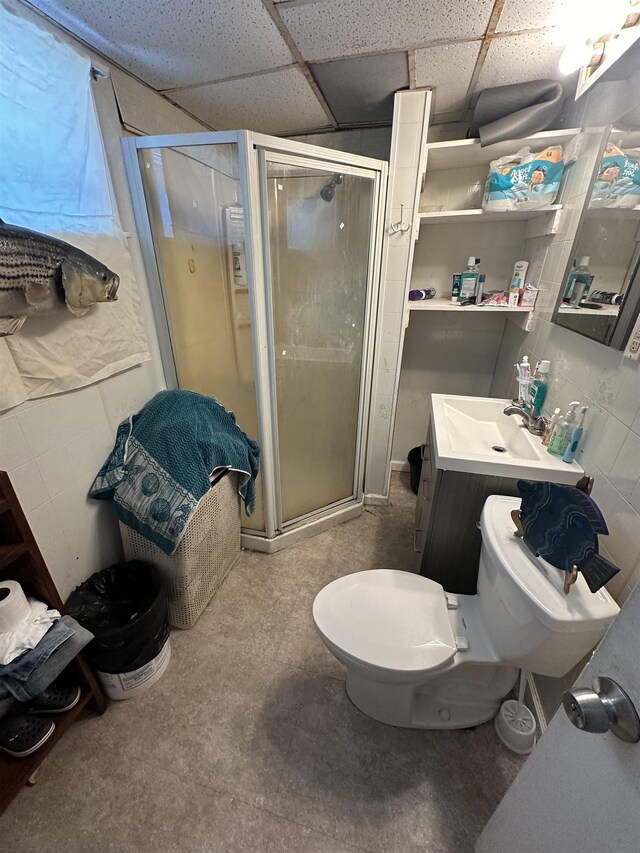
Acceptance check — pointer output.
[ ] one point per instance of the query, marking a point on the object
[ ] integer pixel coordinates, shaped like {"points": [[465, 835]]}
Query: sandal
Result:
{"points": [[20, 736], [56, 699]]}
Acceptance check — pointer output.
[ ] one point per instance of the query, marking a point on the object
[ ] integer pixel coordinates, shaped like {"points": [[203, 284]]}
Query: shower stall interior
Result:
{"points": [[263, 259]]}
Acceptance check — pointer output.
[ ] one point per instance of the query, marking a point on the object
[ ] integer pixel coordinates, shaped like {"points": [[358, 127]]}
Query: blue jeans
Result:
{"points": [[29, 675]]}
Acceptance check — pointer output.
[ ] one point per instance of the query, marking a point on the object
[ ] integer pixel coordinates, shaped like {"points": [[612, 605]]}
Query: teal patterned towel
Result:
{"points": [[163, 461]]}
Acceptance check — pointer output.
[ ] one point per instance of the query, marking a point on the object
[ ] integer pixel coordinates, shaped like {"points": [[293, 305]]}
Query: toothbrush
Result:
{"points": [[576, 435]]}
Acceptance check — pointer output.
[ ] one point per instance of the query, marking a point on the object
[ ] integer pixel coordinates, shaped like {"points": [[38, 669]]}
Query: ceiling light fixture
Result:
{"points": [[583, 23]]}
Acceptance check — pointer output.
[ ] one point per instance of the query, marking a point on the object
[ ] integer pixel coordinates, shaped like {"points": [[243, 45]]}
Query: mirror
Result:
{"points": [[601, 289], [600, 298]]}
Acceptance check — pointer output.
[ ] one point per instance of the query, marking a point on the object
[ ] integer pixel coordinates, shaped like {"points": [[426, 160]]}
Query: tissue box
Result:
{"points": [[528, 296]]}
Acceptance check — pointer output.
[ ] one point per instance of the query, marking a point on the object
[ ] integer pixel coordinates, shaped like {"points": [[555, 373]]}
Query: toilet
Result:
{"points": [[419, 657]]}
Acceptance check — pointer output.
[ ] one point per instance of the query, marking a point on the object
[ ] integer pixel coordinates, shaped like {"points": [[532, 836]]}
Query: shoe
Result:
{"points": [[22, 735], [56, 699]]}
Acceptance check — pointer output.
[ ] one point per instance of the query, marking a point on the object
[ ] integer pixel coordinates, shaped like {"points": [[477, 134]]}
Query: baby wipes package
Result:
{"points": [[617, 183], [524, 180]]}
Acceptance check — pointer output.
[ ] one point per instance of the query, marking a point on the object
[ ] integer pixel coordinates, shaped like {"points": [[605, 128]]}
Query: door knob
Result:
{"points": [[605, 708]]}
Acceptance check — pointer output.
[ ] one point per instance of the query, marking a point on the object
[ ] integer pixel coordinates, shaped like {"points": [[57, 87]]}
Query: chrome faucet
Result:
{"points": [[535, 424]]}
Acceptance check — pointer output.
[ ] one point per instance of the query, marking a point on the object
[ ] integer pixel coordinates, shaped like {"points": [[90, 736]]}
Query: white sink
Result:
{"points": [[472, 434]]}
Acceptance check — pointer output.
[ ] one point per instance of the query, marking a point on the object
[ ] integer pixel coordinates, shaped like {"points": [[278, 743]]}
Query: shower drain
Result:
{"points": [[499, 448]]}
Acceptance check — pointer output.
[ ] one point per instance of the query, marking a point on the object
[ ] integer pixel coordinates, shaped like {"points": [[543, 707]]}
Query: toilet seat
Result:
{"points": [[388, 619]]}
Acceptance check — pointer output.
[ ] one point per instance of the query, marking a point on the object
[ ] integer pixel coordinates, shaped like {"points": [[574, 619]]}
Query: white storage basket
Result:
{"points": [[209, 547]]}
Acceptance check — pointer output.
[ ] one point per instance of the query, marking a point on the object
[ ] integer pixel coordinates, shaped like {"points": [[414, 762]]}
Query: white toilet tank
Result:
{"points": [[529, 620]]}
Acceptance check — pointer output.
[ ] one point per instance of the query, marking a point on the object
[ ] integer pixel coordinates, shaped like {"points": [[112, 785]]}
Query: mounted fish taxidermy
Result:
{"points": [[40, 275]]}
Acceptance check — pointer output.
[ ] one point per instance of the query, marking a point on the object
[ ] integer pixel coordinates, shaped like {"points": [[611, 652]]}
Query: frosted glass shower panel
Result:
{"points": [[193, 197], [319, 243]]}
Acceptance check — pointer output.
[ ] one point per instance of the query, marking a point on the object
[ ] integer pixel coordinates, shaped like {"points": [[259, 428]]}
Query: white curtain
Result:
{"points": [[54, 179]]}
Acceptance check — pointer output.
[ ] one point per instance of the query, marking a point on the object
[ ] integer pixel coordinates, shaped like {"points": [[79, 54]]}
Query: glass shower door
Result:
{"points": [[318, 230], [193, 197]]}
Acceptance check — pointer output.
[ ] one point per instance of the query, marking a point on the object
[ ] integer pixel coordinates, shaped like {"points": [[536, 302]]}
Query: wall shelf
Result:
{"points": [[476, 214], [462, 153], [441, 303]]}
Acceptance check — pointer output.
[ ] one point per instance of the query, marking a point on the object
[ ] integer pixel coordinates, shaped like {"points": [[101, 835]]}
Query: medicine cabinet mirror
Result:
{"points": [[599, 294]]}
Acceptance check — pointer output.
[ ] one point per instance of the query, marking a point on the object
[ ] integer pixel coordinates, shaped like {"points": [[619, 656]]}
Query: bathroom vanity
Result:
{"points": [[472, 451]]}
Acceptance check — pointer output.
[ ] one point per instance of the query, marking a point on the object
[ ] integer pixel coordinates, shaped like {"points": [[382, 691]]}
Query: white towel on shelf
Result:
{"points": [[27, 634]]}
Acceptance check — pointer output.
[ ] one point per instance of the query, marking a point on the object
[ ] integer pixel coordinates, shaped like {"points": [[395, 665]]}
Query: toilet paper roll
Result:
{"points": [[14, 607]]}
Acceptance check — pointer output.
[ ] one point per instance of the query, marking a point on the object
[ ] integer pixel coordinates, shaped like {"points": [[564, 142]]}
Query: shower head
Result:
{"points": [[328, 190]]}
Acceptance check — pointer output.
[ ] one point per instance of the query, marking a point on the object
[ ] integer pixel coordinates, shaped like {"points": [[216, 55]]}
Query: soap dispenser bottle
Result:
{"points": [[562, 433], [538, 388], [555, 419]]}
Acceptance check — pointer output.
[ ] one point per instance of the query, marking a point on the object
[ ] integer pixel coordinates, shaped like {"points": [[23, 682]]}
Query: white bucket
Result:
{"points": [[126, 685]]}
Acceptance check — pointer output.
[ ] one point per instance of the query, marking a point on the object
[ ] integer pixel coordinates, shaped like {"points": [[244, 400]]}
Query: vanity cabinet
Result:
{"points": [[447, 537]]}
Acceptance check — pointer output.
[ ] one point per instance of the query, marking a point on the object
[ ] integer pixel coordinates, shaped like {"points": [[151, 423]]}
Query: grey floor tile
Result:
{"points": [[249, 742], [114, 802]]}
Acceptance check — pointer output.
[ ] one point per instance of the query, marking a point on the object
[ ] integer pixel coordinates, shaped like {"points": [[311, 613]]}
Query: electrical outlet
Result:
{"points": [[634, 346]]}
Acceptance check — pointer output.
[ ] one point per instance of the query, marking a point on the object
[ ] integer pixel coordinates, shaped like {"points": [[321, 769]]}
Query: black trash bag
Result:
{"points": [[415, 466], [125, 608]]}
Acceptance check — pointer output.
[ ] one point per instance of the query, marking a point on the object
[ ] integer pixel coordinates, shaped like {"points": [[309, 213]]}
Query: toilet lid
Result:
{"points": [[387, 618]]}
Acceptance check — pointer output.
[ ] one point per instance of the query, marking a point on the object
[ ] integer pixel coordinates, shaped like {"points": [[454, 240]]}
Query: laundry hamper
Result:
{"points": [[209, 547]]}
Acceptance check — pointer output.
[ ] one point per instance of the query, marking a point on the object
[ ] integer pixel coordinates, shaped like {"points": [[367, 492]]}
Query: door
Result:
{"points": [[319, 226], [579, 792]]}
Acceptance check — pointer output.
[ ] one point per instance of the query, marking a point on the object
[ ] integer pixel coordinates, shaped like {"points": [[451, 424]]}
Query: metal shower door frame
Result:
{"points": [[250, 147], [266, 156]]}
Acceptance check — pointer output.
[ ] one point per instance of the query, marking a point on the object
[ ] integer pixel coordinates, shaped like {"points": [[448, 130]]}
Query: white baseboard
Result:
{"points": [[399, 465], [376, 500]]}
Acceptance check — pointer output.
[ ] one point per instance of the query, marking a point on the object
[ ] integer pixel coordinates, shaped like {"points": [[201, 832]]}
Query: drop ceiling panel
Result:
{"points": [[362, 89], [330, 29], [276, 102], [519, 58], [527, 15], [448, 69], [176, 42]]}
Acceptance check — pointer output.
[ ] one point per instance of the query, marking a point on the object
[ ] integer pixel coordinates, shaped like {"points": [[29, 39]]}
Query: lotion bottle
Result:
{"points": [[555, 418], [562, 433]]}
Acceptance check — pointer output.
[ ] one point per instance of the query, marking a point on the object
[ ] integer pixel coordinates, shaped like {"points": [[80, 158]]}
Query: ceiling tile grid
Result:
{"points": [[168, 43], [331, 29], [275, 102], [447, 68], [520, 58]]}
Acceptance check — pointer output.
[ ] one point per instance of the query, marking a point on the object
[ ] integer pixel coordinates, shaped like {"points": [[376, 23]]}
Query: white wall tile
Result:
{"points": [[623, 542], [28, 485], [407, 148], [45, 525], [89, 451], [404, 184], [625, 473], [626, 406], [55, 469], [391, 326], [603, 439], [61, 418], [397, 259], [14, 450]]}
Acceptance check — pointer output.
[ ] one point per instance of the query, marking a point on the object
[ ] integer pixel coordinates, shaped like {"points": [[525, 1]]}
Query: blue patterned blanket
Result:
{"points": [[163, 461]]}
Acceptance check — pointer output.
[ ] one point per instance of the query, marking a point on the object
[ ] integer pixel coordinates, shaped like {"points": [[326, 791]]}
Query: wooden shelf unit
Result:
{"points": [[21, 560]]}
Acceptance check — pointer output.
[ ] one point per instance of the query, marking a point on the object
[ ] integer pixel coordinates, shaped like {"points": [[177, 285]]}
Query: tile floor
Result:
{"points": [[249, 742]]}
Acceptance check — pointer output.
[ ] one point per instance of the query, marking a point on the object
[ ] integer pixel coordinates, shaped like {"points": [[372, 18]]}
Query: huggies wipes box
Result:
{"points": [[617, 183], [524, 181]]}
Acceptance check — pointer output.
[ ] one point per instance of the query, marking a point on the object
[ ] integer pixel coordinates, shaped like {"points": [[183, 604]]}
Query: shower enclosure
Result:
{"points": [[263, 258]]}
